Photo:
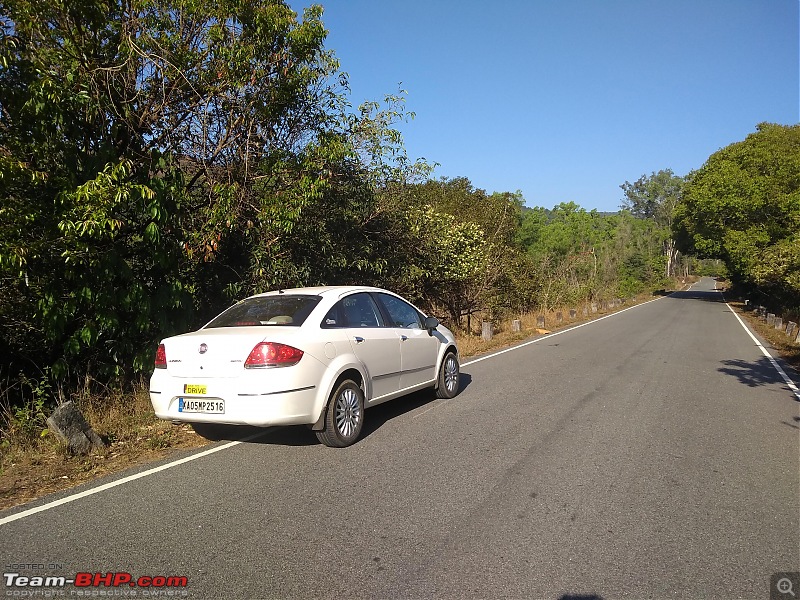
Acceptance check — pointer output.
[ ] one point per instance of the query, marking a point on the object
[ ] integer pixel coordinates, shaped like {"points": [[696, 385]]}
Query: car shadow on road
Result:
{"points": [[377, 417], [302, 435], [752, 374], [793, 425]]}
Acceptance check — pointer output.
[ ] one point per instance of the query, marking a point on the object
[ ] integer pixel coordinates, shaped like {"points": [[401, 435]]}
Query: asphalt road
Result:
{"points": [[652, 454]]}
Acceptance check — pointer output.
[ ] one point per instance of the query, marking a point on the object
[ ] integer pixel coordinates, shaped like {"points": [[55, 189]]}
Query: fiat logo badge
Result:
{"points": [[203, 348]]}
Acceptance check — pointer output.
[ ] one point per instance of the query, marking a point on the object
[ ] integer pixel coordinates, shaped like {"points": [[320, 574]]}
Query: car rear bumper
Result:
{"points": [[292, 403]]}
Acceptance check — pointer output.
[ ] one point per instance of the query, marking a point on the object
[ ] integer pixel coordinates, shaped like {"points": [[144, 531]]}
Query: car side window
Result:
{"points": [[334, 319], [401, 313], [356, 310]]}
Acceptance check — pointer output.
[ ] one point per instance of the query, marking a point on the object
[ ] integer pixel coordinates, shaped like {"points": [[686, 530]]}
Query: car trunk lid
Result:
{"points": [[219, 352]]}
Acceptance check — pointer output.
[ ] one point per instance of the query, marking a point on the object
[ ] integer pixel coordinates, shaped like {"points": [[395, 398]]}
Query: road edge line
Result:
{"points": [[792, 386], [124, 480], [549, 335]]}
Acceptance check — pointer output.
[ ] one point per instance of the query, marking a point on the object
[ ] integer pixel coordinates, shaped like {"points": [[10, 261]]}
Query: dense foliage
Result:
{"points": [[743, 206], [582, 255], [655, 198], [160, 159]]}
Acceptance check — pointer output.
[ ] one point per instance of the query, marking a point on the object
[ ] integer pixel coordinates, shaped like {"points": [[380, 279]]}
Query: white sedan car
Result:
{"points": [[315, 356]]}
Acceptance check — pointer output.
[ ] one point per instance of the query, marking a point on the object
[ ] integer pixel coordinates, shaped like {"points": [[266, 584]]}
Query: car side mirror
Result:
{"points": [[431, 323]]}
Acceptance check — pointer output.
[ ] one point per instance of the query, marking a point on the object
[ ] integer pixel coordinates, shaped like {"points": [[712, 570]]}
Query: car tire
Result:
{"points": [[344, 416], [449, 377]]}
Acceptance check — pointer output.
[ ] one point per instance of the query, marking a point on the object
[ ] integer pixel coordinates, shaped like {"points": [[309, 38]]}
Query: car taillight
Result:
{"points": [[161, 357], [272, 354]]}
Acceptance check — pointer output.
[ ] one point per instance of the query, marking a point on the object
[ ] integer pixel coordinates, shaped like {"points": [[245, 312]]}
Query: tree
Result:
{"points": [[578, 255], [743, 206], [149, 151], [655, 197], [497, 214], [482, 232]]}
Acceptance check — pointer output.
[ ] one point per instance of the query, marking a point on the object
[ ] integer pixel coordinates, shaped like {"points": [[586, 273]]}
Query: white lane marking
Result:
{"points": [[108, 486], [786, 378], [550, 335]]}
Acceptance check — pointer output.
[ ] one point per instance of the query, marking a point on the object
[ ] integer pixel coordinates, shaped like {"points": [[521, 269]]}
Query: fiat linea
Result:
{"points": [[315, 356]]}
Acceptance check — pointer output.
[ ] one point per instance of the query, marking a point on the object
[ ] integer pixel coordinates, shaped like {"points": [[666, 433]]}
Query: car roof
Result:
{"points": [[324, 290]]}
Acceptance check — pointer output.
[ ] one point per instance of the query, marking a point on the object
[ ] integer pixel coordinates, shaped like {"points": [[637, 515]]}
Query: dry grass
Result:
{"points": [[32, 466]]}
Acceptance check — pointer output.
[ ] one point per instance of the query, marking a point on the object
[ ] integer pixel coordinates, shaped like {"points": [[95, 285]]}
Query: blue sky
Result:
{"points": [[565, 100]]}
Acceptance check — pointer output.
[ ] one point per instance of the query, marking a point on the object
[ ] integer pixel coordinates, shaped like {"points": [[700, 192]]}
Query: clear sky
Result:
{"points": [[565, 100]]}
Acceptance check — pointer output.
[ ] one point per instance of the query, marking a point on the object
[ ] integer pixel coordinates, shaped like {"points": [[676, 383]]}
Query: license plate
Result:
{"points": [[195, 405], [192, 388]]}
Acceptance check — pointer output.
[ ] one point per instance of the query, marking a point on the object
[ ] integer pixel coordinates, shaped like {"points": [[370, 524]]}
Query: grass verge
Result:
{"points": [[34, 463]]}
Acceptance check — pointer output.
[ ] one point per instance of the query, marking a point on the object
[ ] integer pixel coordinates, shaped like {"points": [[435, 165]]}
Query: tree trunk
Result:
{"points": [[671, 253]]}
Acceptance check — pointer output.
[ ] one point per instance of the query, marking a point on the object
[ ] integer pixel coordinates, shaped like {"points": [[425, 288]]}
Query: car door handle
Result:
{"points": [[403, 338], [359, 339]]}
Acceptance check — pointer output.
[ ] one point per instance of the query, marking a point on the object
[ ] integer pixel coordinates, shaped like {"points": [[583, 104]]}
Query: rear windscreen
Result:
{"points": [[281, 310]]}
